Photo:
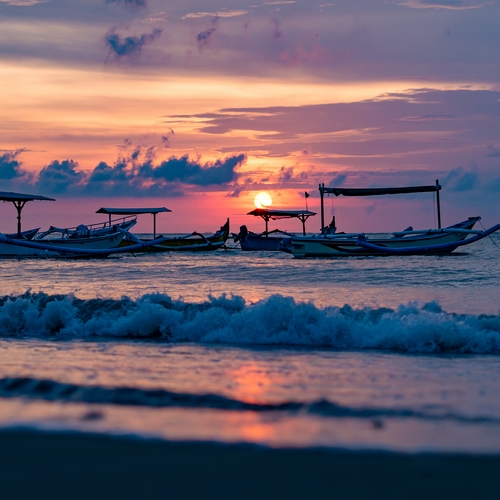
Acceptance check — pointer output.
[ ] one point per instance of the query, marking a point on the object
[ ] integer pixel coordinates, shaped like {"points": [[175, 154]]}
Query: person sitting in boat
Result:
{"points": [[241, 235]]}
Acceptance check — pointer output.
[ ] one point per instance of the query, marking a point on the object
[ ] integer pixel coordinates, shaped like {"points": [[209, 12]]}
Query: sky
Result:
{"points": [[198, 105]]}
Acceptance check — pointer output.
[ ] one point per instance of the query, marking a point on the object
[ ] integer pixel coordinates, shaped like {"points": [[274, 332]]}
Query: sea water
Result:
{"points": [[385, 353]]}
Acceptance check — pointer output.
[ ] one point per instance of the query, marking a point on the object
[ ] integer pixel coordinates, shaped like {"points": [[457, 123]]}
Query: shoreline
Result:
{"points": [[36, 464]]}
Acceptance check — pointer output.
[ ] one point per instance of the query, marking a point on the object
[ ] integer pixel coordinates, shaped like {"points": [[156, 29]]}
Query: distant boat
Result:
{"points": [[408, 242], [99, 240], [189, 242], [275, 240]]}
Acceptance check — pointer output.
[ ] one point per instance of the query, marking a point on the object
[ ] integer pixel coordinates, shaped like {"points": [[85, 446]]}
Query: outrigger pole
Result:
{"points": [[378, 191]]}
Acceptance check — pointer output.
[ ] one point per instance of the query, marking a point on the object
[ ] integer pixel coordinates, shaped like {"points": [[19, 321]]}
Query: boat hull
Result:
{"points": [[190, 243], [338, 245], [104, 242], [255, 242]]}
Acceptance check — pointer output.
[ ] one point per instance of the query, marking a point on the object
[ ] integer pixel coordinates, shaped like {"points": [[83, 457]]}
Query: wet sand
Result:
{"points": [[72, 466]]}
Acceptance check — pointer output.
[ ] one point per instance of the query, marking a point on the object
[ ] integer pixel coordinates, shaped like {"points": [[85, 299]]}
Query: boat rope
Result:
{"points": [[489, 236]]}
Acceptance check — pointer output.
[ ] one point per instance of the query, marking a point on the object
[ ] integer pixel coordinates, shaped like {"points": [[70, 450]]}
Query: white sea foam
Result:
{"points": [[276, 320]]}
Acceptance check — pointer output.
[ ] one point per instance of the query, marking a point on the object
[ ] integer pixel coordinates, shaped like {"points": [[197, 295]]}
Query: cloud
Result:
{"points": [[493, 152], [192, 172], [277, 34], [135, 173], [23, 3], [129, 3], [59, 177], [458, 181], [287, 175], [129, 45], [223, 13], [10, 166], [444, 4], [203, 38], [337, 180]]}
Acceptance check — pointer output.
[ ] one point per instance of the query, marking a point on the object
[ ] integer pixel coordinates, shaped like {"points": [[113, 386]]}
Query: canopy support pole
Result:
{"points": [[438, 203], [154, 226], [303, 219], [19, 207], [321, 193]]}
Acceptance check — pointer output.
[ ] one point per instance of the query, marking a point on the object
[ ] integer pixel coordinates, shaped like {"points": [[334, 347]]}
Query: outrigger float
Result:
{"points": [[94, 240], [189, 242], [276, 239], [408, 242]]}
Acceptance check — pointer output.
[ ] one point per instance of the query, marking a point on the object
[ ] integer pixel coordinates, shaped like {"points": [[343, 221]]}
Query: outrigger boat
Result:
{"points": [[98, 240], [408, 242], [190, 242], [276, 239]]}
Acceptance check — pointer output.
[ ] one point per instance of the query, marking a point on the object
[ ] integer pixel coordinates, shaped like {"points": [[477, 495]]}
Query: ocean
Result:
{"points": [[379, 354]]}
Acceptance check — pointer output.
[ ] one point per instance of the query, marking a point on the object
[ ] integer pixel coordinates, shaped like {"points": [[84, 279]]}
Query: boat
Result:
{"points": [[438, 241], [275, 240], [98, 240], [189, 242]]}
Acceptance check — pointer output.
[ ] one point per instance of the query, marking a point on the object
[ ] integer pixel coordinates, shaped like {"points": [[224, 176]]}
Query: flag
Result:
{"points": [[306, 194]]}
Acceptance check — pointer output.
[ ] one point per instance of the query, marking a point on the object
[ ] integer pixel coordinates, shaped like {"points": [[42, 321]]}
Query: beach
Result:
{"points": [[58, 465]]}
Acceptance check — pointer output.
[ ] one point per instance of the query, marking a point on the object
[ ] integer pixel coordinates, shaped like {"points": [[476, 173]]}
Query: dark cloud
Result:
{"points": [[165, 139], [10, 166], [59, 177], [129, 3], [135, 172], [289, 176], [277, 34], [338, 180], [203, 38], [192, 172], [458, 181], [129, 45], [493, 152], [141, 177]]}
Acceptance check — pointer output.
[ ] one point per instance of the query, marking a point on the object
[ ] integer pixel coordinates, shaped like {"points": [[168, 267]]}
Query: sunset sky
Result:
{"points": [[197, 105]]}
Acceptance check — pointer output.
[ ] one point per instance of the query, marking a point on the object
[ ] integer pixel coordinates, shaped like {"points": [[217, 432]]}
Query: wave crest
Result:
{"points": [[276, 320]]}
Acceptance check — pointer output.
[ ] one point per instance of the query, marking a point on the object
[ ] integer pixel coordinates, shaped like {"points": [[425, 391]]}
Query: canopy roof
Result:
{"points": [[381, 191], [8, 196], [131, 211], [280, 214]]}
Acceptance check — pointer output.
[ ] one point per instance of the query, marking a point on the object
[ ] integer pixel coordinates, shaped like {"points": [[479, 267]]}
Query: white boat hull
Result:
{"points": [[339, 245], [104, 242]]}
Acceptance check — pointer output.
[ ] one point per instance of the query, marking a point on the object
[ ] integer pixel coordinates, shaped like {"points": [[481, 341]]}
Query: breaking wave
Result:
{"points": [[276, 320]]}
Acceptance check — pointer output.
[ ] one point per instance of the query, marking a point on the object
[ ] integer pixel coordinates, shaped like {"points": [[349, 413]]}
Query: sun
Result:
{"points": [[263, 200]]}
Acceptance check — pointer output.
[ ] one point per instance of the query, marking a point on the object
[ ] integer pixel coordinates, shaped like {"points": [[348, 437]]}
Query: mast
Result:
{"points": [[438, 187], [321, 193]]}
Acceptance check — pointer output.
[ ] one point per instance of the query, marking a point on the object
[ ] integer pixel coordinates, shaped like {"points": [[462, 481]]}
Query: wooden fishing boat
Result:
{"points": [[84, 240], [408, 242], [275, 240], [189, 242]]}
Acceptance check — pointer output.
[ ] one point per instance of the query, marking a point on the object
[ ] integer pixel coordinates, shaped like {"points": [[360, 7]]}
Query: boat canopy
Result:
{"points": [[281, 214], [134, 211], [12, 197], [19, 200], [381, 191], [273, 214], [378, 191]]}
